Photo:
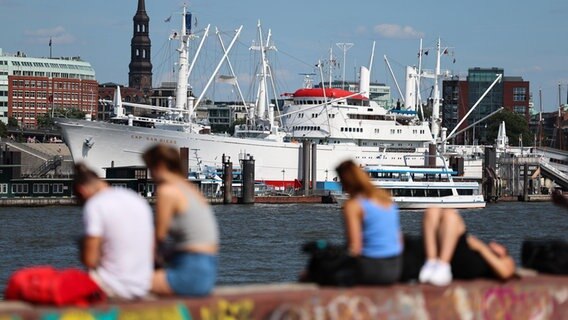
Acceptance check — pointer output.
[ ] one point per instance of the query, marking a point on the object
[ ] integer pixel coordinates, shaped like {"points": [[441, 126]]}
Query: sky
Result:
{"points": [[526, 38]]}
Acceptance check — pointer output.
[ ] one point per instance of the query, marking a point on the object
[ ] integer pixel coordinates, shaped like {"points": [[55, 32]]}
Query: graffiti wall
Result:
{"points": [[538, 298]]}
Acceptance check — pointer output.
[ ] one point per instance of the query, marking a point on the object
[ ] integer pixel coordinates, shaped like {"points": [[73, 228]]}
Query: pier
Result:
{"points": [[532, 297]]}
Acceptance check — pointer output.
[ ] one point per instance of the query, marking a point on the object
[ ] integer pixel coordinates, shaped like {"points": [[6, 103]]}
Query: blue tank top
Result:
{"points": [[381, 230]]}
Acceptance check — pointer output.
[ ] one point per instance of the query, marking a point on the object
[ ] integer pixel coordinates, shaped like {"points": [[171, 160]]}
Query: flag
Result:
{"points": [[50, 42], [168, 19], [188, 23], [426, 52], [454, 60], [445, 51]]}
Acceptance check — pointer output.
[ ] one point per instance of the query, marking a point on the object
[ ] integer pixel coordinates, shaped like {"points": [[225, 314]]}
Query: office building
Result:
{"points": [[30, 86], [459, 95]]}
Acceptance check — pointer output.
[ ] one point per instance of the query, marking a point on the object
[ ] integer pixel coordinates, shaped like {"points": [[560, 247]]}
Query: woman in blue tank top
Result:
{"points": [[372, 227]]}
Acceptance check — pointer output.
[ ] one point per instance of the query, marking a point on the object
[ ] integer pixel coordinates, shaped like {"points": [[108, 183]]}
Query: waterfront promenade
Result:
{"points": [[533, 297]]}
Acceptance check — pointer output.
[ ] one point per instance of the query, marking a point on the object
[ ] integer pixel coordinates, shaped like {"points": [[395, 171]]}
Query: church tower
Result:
{"points": [[140, 74]]}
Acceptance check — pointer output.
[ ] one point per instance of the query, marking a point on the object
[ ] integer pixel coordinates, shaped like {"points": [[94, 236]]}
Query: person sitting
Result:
{"points": [[372, 227], [117, 245], [183, 214], [450, 252]]}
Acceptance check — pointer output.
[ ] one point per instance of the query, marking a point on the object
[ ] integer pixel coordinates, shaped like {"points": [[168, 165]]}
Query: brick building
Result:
{"points": [[512, 93], [30, 97], [31, 86]]}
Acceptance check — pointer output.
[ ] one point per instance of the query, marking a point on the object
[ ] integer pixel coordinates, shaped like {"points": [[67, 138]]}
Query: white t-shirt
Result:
{"points": [[123, 220]]}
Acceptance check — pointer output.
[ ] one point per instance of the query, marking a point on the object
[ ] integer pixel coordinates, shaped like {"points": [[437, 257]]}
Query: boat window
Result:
{"points": [[465, 192], [432, 193], [445, 192], [419, 192]]}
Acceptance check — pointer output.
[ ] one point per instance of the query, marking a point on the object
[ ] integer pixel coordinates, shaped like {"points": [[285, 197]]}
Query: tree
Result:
{"points": [[3, 130], [515, 124], [13, 122]]}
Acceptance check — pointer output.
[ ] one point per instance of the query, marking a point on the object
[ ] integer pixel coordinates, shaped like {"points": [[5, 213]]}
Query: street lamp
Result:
{"points": [[326, 172]]}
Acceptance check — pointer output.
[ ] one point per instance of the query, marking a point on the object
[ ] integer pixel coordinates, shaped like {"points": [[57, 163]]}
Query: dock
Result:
{"points": [[534, 297]]}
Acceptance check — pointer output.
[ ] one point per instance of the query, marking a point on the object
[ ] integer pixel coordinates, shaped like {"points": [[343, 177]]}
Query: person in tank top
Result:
{"points": [[372, 227], [184, 217]]}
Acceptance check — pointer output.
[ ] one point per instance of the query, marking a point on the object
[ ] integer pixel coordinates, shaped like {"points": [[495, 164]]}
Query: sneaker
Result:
{"points": [[442, 275], [427, 270]]}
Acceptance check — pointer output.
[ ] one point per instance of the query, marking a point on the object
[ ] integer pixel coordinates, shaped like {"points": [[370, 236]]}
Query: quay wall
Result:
{"points": [[538, 297]]}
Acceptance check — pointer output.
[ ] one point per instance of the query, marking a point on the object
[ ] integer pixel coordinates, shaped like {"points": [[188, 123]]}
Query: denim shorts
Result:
{"points": [[192, 274]]}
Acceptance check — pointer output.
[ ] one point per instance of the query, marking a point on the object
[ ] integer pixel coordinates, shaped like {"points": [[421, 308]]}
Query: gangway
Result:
{"points": [[549, 171]]}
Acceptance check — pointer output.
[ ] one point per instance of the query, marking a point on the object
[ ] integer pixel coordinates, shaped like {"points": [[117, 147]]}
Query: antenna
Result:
{"points": [[344, 46]]}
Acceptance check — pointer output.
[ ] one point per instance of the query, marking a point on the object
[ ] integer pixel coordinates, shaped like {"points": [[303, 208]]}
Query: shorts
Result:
{"points": [[468, 264], [379, 271], [192, 274], [465, 263]]}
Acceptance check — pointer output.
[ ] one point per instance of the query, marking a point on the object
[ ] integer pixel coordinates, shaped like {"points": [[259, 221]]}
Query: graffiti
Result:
{"points": [[509, 303], [173, 312], [358, 307], [225, 310]]}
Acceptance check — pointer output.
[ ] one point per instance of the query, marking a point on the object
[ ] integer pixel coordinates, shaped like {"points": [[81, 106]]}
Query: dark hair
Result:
{"points": [[83, 175], [357, 183], [167, 156]]}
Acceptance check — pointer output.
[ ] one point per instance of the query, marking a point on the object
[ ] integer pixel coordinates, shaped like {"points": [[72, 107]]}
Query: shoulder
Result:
{"points": [[352, 206]]}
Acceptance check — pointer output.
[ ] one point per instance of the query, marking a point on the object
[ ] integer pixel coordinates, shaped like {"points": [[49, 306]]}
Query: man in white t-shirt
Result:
{"points": [[118, 243]]}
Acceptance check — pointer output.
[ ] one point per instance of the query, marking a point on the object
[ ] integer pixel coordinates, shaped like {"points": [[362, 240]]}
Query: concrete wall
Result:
{"points": [[542, 297]]}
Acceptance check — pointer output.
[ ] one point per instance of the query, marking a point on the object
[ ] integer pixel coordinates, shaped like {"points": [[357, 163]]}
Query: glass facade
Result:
{"points": [[479, 80]]}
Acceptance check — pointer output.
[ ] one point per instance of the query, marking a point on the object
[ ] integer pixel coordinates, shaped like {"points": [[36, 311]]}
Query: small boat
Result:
{"points": [[415, 188]]}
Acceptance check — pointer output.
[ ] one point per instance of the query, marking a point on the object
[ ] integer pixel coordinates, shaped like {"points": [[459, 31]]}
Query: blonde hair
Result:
{"points": [[356, 182]]}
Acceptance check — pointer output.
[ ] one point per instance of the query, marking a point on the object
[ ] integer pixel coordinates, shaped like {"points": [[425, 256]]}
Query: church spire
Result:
{"points": [[141, 6], [140, 74]]}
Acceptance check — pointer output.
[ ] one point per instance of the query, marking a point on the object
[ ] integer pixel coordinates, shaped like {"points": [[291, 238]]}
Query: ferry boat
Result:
{"points": [[416, 188]]}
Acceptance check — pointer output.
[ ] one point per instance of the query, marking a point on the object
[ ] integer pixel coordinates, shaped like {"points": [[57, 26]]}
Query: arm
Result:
{"points": [[504, 267], [166, 204], [353, 216], [91, 253]]}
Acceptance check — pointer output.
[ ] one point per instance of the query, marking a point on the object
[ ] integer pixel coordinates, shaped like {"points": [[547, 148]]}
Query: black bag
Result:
{"points": [[546, 256], [330, 265]]}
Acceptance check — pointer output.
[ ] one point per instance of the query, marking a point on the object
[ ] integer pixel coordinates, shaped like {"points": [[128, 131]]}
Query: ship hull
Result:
{"points": [[101, 145]]}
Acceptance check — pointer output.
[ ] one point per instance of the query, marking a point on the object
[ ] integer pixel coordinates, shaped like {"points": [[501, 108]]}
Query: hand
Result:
{"points": [[474, 243]]}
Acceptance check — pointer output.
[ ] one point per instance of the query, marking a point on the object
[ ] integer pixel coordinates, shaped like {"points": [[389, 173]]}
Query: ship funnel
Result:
{"points": [[117, 102], [410, 91], [365, 82]]}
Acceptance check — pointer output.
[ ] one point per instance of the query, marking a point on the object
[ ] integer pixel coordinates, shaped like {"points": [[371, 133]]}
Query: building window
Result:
{"points": [[144, 53], [20, 188], [519, 109], [57, 187], [3, 188], [41, 188], [520, 94]]}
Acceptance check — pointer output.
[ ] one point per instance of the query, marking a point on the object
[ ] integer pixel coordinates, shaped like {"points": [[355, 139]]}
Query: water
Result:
{"points": [[260, 243]]}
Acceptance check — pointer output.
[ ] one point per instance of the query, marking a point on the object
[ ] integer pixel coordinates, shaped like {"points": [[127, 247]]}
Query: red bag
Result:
{"points": [[46, 285]]}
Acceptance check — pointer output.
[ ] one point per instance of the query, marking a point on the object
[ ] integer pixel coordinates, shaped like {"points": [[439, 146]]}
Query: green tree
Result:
{"points": [[44, 121], [515, 124], [13, 122], [3, 130]]}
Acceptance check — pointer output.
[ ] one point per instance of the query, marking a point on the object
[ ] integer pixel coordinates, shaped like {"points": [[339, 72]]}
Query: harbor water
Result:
{"points": [[260, 243]]}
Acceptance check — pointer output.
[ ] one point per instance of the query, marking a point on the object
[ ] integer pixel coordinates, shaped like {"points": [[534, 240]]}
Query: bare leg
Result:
{"points": [[160, 284], [450, 229], [431, 222]]}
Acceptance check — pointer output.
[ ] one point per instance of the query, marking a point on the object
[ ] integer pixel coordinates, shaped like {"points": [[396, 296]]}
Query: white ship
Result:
{"points": [[341, 124]]}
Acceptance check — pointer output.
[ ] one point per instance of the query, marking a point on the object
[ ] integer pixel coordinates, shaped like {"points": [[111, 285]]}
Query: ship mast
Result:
{"points": [[262, 98], [181, 90], [435, 126]]}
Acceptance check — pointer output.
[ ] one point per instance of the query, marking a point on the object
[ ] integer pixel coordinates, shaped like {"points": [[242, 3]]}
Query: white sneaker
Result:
{"points": [[427, 270], [442, 275]]}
